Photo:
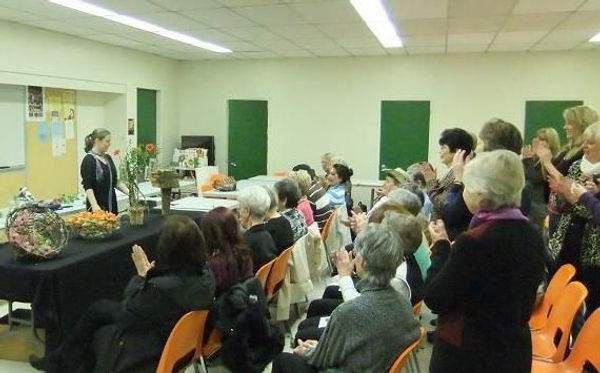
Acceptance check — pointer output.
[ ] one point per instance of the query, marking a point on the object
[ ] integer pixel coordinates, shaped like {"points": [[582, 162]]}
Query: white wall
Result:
{"points": [[37, 57], [319, 105]]}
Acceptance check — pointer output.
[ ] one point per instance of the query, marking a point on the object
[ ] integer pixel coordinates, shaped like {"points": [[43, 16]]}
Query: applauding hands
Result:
{"points": [[140, 260]]}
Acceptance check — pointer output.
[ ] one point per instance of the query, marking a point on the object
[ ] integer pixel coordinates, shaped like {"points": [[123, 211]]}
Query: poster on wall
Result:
{"points": [[131, 126], [35, 104]]}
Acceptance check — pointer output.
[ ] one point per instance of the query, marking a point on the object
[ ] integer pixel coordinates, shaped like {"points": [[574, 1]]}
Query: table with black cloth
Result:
{"points": [[61, 289]]}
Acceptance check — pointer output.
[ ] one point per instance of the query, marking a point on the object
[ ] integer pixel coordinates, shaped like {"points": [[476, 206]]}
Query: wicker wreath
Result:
{"points": [[36, 232]]}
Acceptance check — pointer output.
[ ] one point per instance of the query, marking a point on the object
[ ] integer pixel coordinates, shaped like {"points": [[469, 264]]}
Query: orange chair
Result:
{"points": [[280, 173], [417, 308], [278, 272], [585, 351], [263, 273], [551, 341], [327, 227], [559, 281], [210, 347], [401, 360], [185, 342]]}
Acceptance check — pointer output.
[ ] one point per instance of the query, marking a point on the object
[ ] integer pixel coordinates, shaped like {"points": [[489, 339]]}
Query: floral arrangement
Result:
{"points": [[94, 225], [135, 162], [36, 232]]}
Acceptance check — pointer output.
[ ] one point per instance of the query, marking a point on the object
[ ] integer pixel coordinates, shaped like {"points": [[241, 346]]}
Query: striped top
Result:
{"points": [[320, 204]]}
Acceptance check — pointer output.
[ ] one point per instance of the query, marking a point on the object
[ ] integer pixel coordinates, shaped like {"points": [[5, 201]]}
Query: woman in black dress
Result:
{"points": [[99, 173]]}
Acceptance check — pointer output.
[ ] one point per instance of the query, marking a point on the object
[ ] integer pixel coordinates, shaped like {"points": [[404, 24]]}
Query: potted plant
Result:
{"points": [[136, 162]]}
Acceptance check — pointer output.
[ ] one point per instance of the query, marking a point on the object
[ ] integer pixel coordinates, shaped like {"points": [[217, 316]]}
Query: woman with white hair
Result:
{"points": [[253, 204], [483, 286], [576, 240], [349, 344]]}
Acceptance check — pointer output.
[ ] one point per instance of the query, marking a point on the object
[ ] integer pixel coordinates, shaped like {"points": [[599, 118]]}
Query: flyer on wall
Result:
{"points": [[35, 104]]}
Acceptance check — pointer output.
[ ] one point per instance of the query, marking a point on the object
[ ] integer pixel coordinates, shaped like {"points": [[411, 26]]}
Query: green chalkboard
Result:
{"points": [[539, 114], [146, 116], [404, 133]]}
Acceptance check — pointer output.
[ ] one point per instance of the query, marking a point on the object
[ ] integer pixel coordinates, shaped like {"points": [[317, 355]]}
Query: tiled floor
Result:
{"points": [[424, 354]]}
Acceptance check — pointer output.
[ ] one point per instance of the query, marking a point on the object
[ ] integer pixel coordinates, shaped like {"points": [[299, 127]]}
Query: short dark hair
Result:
{"points": [[414, 189], [419, 179], [306, 168], [499, 134], [289, 190], [343, 172], [181, 245], [455, 139]]}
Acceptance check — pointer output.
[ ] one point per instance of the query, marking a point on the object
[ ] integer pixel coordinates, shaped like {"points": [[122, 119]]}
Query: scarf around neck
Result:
{"points": [[505, 213], [588, 167]]}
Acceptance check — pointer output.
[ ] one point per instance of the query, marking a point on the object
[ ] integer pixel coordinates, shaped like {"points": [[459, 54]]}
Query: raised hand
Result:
{"points": [[140, 260], [437, 230], [458, 164]]}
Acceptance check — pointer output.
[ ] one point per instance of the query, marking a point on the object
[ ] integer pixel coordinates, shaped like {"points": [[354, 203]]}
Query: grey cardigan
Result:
{"points": [[367, 333]]}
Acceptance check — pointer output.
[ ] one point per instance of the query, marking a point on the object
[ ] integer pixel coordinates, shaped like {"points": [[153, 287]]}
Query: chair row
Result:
{"points": [[551, 324]]}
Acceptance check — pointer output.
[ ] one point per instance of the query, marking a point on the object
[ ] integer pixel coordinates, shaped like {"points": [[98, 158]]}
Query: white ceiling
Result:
{"points": [[325, 28]]}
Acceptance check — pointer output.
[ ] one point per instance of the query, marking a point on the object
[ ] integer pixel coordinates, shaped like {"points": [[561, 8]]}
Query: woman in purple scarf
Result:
{"points": [[483, 286]]}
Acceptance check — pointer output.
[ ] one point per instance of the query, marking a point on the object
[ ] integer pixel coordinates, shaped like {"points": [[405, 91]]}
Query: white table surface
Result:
{"points": [[266, 178], [201, 204], [217, 194]]}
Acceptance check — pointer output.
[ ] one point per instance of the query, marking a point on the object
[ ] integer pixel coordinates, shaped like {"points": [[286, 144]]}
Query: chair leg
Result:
{"points": [[416, 361], [200, 366]]}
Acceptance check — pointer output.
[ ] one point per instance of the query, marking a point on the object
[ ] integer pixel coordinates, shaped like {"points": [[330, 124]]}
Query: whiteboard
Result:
{"points": [[12, 125]]}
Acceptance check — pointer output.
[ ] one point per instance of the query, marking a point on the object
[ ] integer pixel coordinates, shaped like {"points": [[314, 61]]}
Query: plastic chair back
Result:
{"points": [[401, 360], [559, 281], [417, 308], [185, 341], [278, 272], [551, 341], [263, 273], [327, 227]]}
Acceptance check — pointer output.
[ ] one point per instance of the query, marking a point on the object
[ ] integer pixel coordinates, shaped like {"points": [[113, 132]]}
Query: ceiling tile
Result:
{"points": [[467, 48], [430, 40], [581, 20], [242, 46], [546, 6], [272, 15], [321, 43], [478, 8], [347, 30], [475, 24], [519, 37], [149, 38], [113, 39], [297, 31], [530, 22], [220, 17], [587, 46], [552, 47], [129, 6], [367, 51], [327, 12], [239, 3], [514, 47], [569, 36], [293, 54], [101, 25], [278, 45], [591, 5], [16, 15], [44, 9], [330, 52], [462, 39], [172, 21], [251, 33], [186, 4], [61, 26], [426, 50], [255, 55], [432, 26], [212, 35], [410, 9], [370, 42]]}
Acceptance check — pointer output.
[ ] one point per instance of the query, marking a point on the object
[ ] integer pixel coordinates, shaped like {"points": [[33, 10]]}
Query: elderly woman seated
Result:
{"points": [[288, 193], [483, 286], [349, 344], [253, 203], [278, 225], [317, 197]]}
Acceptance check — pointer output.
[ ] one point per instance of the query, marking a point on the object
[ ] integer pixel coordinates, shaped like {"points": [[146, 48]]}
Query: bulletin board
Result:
{"points": [[51, 151]]}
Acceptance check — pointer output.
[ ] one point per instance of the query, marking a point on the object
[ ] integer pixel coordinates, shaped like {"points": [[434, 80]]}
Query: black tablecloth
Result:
{"points": [[62, 288]]}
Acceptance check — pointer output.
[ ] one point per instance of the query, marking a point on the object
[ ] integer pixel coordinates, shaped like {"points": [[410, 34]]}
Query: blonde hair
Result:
{"points": [[339, 160], [550, 136], [581, 116], [592, 132], [303, 179], [327, 156]]}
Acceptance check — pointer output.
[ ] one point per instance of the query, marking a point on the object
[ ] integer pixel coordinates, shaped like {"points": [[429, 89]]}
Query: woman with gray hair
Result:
{"points": [[342, 346], [253, 204], [483, 286], [288, 193]]}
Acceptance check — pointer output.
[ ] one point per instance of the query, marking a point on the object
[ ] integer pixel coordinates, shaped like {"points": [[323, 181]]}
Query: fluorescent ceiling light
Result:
{"points": [[595, 38], [138, 24], [377, 19]]}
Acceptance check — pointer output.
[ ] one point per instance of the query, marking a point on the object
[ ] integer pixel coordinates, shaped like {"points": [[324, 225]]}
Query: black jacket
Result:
{"points": [[261, 245], [149, 311]]}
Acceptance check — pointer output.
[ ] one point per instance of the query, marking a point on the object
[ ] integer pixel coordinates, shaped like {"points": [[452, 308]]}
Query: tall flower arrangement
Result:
{"points": [[135, 162]]}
